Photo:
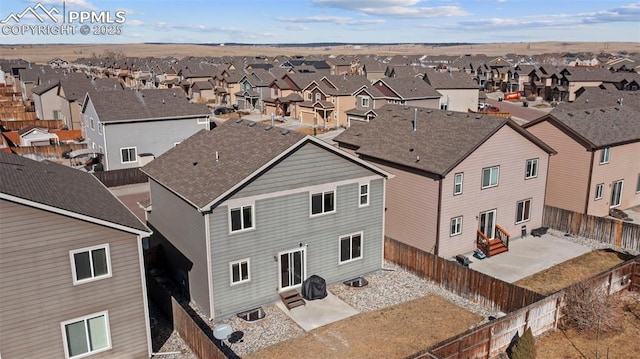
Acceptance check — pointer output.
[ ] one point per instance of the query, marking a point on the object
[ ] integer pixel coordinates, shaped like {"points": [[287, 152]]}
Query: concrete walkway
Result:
{"points": [[527, 256], [319, 312]]}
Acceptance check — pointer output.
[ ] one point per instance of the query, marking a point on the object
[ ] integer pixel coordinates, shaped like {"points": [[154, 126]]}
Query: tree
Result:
{"points": [[524, 347]]}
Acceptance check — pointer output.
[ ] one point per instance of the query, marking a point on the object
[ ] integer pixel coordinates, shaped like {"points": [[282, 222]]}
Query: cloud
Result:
{"points": [[394, 8], [134, 23], [338, 20], [626, 13], [232, 31], [69, 4], [297, 27]]}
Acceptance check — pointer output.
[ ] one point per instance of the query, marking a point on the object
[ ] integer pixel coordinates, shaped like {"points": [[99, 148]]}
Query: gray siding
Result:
{"points": [[37, 291], [310, 165], [92, 136], [183, 226], [282, 223], [155, 137]]}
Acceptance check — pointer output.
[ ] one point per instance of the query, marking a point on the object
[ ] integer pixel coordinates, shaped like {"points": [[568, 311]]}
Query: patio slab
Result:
{"points": [[527, 256], [319, 312]]}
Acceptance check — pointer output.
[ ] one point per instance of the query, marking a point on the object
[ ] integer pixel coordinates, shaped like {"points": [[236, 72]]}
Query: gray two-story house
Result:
{"points": [[132, 127], [249, 211]]}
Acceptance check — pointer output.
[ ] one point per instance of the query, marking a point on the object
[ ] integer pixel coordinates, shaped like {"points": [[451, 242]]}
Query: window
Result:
{"points": [[99, 128], [89, 264], [309, 96], [599, 188], [57, 115], [638, 184], [490, 176], [86, 335], [91, 124], [457, 183], [616, 193], [239, 271], [364, 195], [318, 96], [456, 226], [241, 218], [323, 202], [350, 247], [605, 155], [128, 155], [365, 101], [444, 106], [275, 92], [532, 169], [523, 211]]}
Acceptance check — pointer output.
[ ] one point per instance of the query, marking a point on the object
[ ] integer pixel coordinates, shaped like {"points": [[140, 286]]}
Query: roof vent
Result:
{"points": [[268, 128], [449, 113], [417, 158], [239, 120], [617, 108], [570, 114], [251, 124], [478, 117], [588, 112], [195, 163], [284, 132], [429, 111], [602, 110]]}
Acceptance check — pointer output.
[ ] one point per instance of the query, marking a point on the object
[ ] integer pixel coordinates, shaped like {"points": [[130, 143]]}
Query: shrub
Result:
{"points": [[588, 309], [524, 347]]}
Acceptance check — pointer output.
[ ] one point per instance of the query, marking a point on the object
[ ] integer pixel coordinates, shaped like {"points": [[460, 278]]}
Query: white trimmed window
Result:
{"points": [[605, 155], [457, 183], [350, 247], [241, 218], [456, 226], [91, 123], [91, 263], [318, 96], [364, 101], [128, 155], [309, 96], [239, 271], [490, 176], [86, 335], [364, 195], [532, 169], [599, 189], [323, 202], [523, 211], [99, 128]]}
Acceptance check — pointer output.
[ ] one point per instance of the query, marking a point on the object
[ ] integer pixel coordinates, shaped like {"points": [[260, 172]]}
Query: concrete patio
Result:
{"points": [[319, 312], [527, 256]]}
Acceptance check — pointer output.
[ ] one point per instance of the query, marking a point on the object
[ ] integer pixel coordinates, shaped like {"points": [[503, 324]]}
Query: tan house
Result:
{"points": [[598, 163], [72, 280], [461, 181], [459, 91]]}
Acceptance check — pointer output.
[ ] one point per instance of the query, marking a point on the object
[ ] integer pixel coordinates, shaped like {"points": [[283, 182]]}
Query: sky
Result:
{"points": [[313, 21]]}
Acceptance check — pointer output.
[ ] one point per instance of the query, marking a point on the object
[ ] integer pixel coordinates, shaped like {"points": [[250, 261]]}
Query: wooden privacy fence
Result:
{"points": [[49, 151], [199, 342], [492, 338], [18, 116], [20, 124], [478, 287], [621, 234], [122, 177]]}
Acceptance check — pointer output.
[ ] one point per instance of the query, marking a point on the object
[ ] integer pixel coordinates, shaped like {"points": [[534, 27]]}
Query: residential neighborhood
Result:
{"points": [[241, 206]]}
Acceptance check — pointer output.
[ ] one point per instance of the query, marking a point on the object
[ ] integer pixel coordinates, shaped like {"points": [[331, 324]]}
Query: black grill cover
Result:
{"points": [[314, 287]]}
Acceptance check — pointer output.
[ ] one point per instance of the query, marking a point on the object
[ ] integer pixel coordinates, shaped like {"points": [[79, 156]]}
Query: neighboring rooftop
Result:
{"points": [[64, 188], [449, 80]]}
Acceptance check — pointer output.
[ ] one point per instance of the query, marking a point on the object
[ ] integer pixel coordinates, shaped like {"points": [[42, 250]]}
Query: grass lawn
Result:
{"points": [[572, 271], [393, 332]]}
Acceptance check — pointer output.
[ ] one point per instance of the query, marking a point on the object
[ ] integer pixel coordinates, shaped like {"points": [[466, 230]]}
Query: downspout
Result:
{"points": [[145, 300], [436, 249], [586, 202], [207, 236]]}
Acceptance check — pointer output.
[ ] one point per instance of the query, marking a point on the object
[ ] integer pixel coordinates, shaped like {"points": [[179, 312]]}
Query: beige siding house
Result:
{"points": [[459, 91], [598, 163], [459, 179], [72, 278]]}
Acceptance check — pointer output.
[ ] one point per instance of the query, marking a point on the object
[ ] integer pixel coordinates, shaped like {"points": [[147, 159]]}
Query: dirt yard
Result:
{"points": [[572, 271], [44, 53], [393, 332], [625, 344]]}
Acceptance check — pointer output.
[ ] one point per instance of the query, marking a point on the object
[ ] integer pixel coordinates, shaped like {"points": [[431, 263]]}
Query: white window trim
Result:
{"points": [[128, 148], [453, 234], [309, 96], [523, 206], [361, 234], [323, 213], [461, 183], [239, 262], [368, 194], [318, 96], [537, 163], [91, 124], [611, 205], [241, 207], [362, 100], [596, 196], [88, 249], [497, 177], [99, 128], [94, 315], [605, 155]]}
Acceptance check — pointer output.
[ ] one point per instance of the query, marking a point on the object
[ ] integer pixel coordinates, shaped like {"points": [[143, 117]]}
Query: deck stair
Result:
{"points": [[292, 299], [496, 247]]}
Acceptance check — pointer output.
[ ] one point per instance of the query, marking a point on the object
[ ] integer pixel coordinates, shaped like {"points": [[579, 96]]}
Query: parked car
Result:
{"points": [[223, 110]]}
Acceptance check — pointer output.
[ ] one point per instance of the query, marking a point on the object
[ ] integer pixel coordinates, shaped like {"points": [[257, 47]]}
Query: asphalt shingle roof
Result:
{"points": [[64, 188], [191, 170], [144, 104], [442, 139], [449, 80], [411, 87]]}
